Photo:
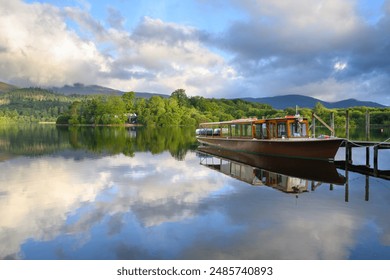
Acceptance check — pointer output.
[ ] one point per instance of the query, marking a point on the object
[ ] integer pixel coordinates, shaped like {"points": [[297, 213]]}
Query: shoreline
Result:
{"points": [[101, 125]]}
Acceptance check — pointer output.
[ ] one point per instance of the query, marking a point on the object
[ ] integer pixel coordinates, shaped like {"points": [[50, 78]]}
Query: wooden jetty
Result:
{"points": [[347, 164], [366, 169]]}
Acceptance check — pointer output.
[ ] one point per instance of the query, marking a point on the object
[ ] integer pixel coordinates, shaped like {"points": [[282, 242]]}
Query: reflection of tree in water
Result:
{"points": [[101, 140], [34, 140], [177, 140]]}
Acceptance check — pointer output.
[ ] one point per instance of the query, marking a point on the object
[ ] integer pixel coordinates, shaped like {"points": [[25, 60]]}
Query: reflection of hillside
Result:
{"points": [[280, 173], [32, 140], [46, 139]]}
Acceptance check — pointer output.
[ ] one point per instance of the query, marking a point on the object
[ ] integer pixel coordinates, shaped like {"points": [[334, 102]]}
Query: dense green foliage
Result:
{"points": [[357, 115], [177, 110], [33, 105], [39, 105], [181, 110]]}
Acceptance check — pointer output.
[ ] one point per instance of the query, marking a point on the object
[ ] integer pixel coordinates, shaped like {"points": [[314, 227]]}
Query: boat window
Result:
{"points": [[224, 130], [294, 128], [236, 130], [271, 130], [303, 129], [247, 130], [282, 130], [264, 128], [258, 131], [298, 129]]}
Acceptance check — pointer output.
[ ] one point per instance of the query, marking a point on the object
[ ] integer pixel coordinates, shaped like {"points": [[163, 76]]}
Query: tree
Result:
{"points": [[129, 100], [172, 115], [319, 108], [181, 97]]}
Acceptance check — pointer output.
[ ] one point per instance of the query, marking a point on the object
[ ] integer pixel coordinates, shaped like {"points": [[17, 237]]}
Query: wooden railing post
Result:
{"points": [[313, 126], [332, 123]]}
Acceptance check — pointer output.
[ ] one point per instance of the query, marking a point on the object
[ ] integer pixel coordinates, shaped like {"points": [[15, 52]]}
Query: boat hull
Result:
{"points": [[304, 148]]}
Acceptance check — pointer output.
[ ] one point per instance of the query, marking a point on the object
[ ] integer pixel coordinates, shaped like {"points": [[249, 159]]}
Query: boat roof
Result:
{"points": [[251, 120], [247, 120]]}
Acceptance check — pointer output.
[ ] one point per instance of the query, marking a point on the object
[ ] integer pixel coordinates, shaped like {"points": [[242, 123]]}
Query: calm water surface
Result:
{"points": [[117, 193]]}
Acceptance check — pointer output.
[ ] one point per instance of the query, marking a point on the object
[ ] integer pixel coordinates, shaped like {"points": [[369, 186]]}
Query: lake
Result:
{"points": [[126, 193]]}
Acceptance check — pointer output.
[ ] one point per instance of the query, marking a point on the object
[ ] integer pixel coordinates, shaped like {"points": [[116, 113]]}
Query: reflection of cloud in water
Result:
{"points": [[291, 238], [151, 207], [41, 193]]}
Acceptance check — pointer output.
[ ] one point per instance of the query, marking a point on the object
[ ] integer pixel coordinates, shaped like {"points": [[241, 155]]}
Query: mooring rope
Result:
{"points": [[377, 144], [383, 142]]}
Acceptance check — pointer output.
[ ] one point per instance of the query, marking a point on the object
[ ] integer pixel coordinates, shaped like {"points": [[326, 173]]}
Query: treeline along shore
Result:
{"points": [[39, 105]]}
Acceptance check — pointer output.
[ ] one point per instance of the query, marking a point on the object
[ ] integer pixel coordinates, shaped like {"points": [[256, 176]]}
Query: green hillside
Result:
{"points": [[6, 87], [33, 105]]}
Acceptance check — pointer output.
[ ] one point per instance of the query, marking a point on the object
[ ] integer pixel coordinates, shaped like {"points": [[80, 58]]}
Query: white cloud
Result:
{"points": [[271, 47], [41, 50], [339, 66]]}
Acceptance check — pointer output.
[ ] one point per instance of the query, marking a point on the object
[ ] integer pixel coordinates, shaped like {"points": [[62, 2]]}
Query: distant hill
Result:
{"points": [[285, 101], [6, 87], [277, 102], [82, 89]]}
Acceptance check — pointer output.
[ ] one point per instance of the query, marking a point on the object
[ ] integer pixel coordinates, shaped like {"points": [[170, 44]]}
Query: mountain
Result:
{"points": [[277, 102], [6, 87], [292, 100], [82, 89]]}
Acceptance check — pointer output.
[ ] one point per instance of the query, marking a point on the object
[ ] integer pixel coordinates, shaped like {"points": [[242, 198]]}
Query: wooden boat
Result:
{"points": [[283, 137]]}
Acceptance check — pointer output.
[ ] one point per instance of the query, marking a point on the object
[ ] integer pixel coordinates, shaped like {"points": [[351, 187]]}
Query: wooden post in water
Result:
{"points": [[348, 152], [367, 125], [376, 160], [367, 188], [347, 124], [346, 197], [367, 138], [346, 194]]}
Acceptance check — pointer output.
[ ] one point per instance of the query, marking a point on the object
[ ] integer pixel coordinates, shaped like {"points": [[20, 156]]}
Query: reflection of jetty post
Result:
{"points": [[346, 182], [365, 169], [367, 143]]}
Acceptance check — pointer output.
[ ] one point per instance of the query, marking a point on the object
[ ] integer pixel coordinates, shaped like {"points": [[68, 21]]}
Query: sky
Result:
{"points": [[329, 49]]}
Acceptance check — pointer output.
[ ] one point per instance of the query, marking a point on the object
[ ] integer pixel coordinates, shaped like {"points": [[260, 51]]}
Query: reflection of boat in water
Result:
{"points": [[283, 137], [285, 174]]}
